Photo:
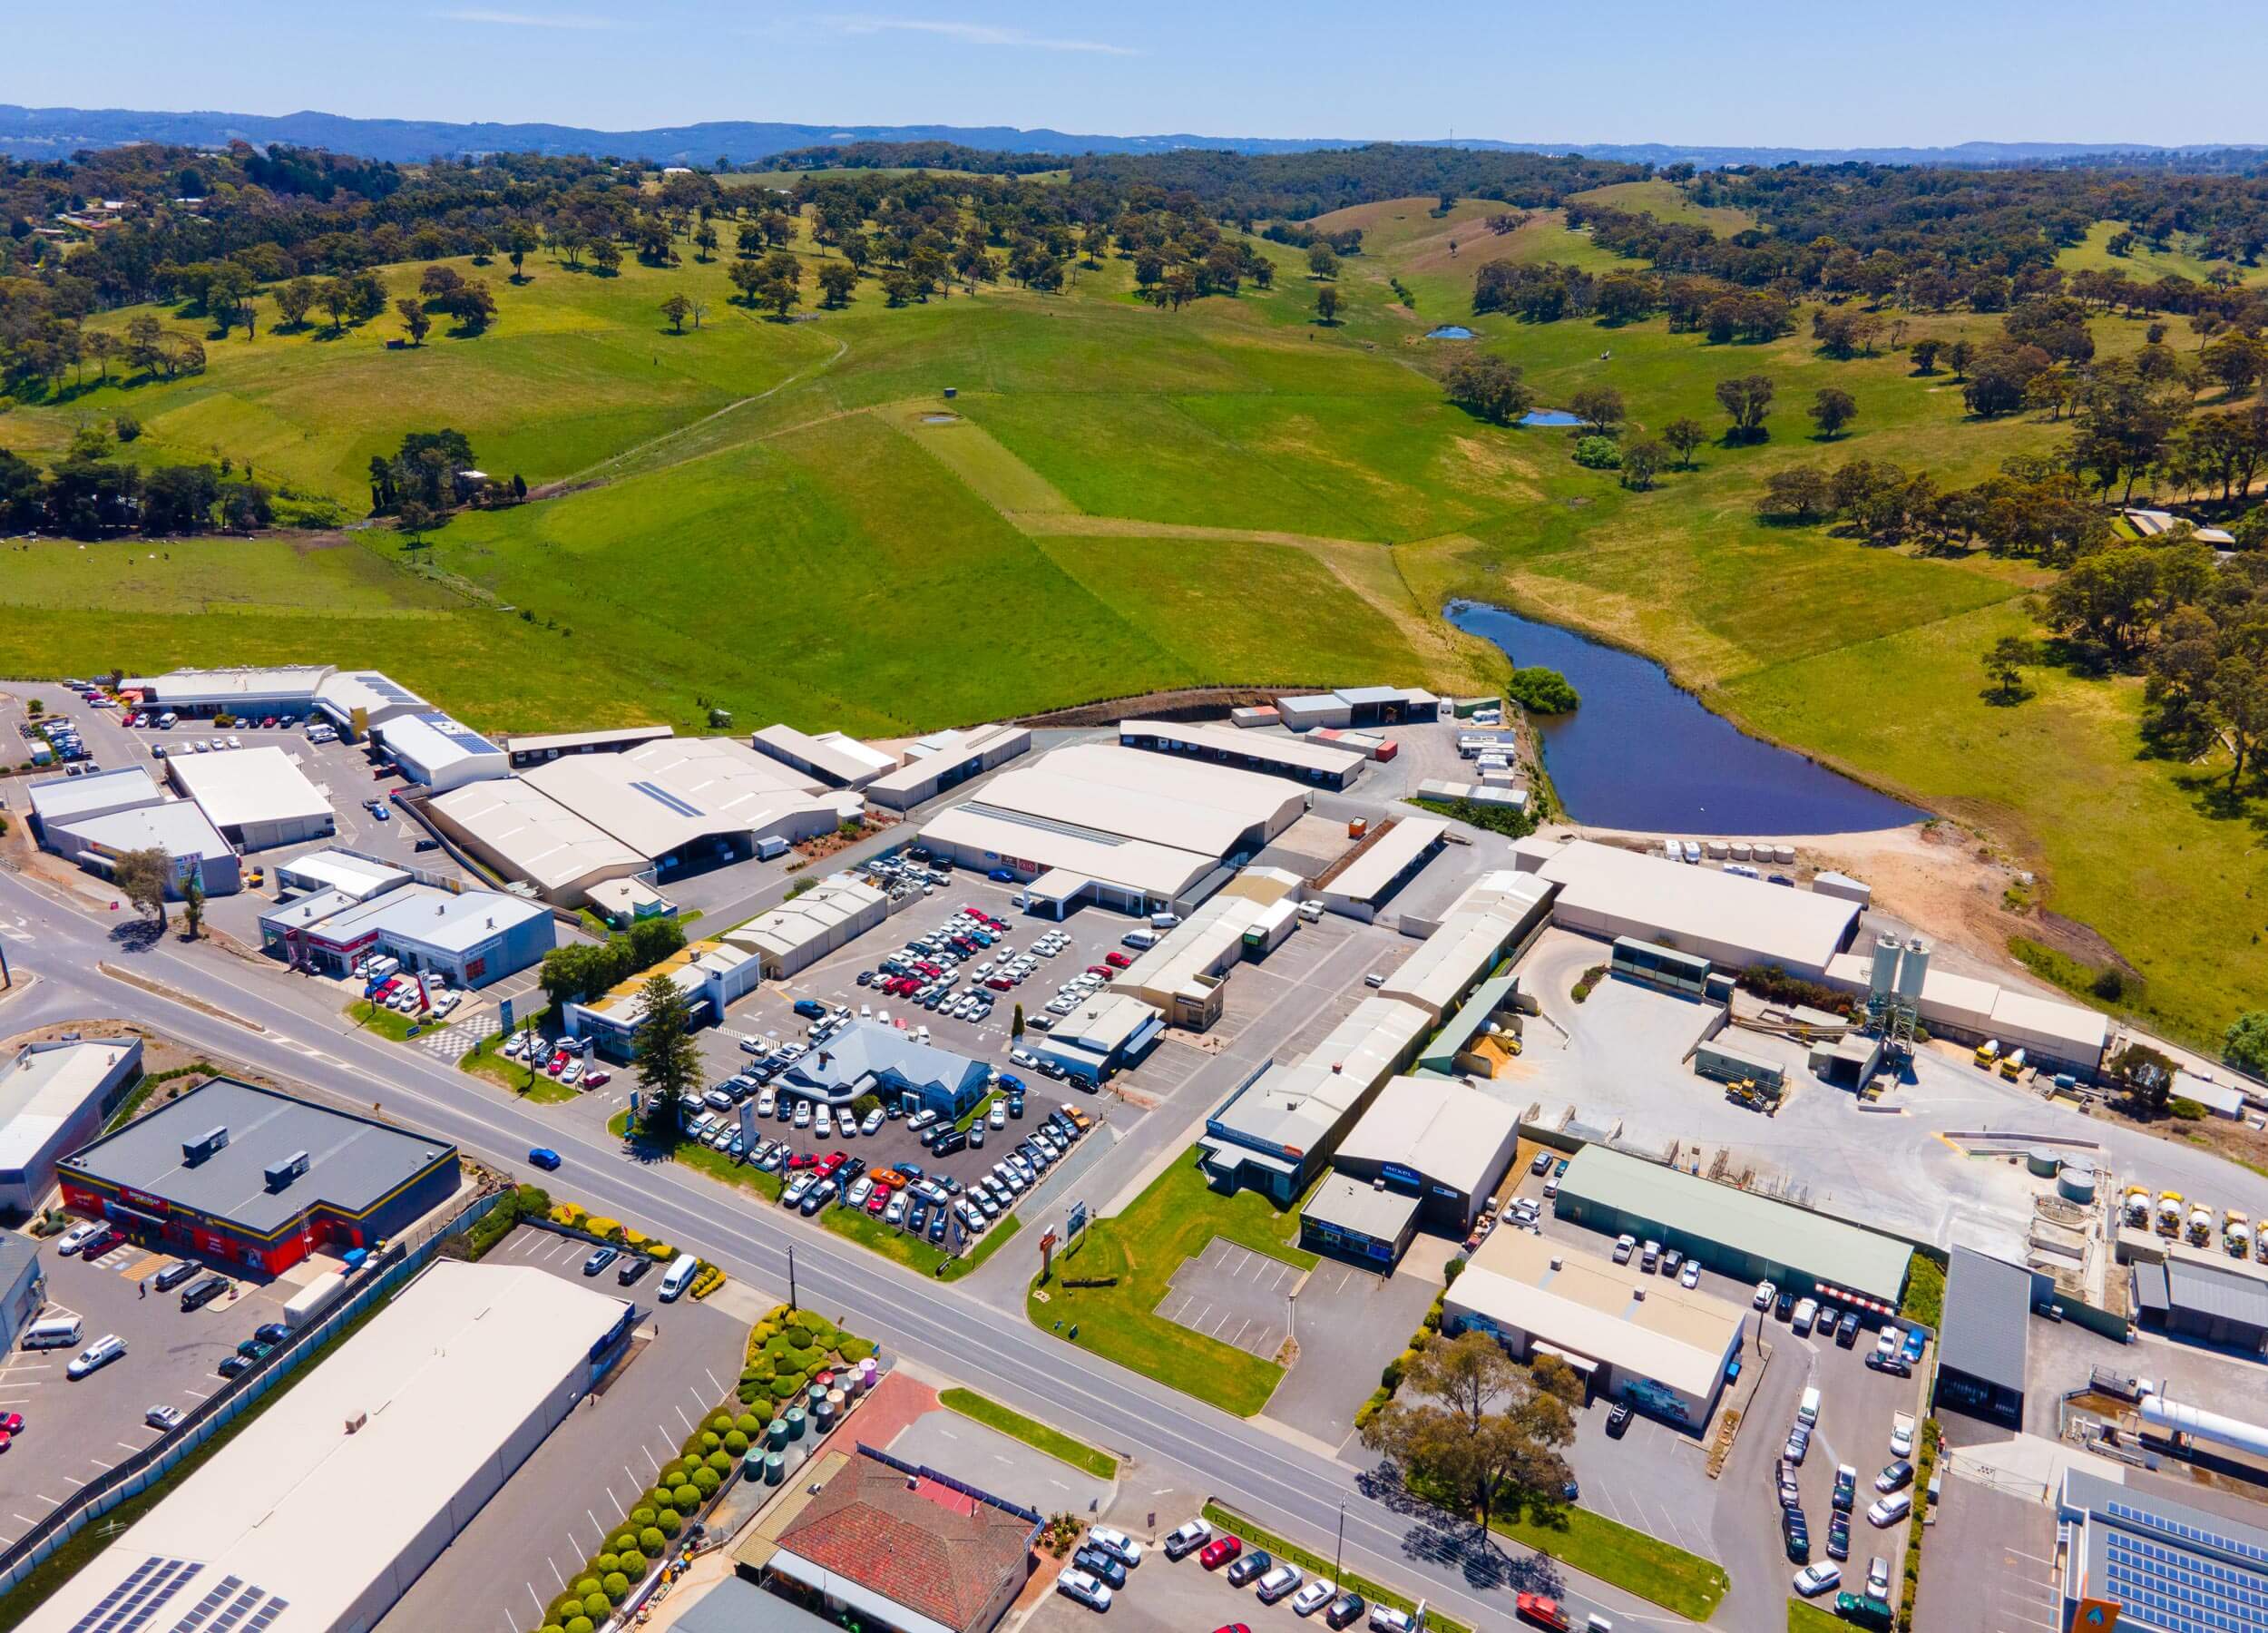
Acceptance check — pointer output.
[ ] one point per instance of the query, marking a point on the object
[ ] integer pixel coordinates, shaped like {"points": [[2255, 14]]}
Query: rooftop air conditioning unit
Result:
{"points": [[1556, 1262], [358, 1421]]}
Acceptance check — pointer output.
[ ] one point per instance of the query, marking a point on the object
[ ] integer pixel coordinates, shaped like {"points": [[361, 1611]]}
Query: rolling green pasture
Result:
{"points": [[761, 515], [2144, 264]]}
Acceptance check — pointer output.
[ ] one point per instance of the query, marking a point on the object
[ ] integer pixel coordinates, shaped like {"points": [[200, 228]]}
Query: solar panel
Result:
{"points": [[140, 1596], [2179, 1590]]}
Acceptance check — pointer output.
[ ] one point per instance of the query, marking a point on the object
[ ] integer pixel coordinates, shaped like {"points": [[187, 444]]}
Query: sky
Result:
{"points": [[1924, 72]]}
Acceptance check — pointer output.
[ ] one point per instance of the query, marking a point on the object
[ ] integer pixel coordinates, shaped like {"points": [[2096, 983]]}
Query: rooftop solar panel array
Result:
{"points": [[661, 796], [139, 1595], [2182, 1591], [2196, 1536]]}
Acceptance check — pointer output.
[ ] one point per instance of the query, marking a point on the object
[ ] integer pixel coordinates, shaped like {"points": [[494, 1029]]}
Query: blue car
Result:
{"points": [[810, 1009], [1916, 1341], [1002, 875], [544, 1157]]}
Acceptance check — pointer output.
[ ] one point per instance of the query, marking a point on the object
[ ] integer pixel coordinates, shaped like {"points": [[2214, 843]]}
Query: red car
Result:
{"points": [[1544, 1612], [1219, 1551], [804, 1160], [1104, 970], [1117, 961], [999, 984], [879, 1200], [558, 1062], [11, 1422]]}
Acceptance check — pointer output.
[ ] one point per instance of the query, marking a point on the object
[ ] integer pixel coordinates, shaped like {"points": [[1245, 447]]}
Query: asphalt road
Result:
{"points": [[1189, 1446]]}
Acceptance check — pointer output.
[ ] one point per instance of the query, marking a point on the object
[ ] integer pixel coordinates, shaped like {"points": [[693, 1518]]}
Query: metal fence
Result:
{"points": [[135, 1474]]}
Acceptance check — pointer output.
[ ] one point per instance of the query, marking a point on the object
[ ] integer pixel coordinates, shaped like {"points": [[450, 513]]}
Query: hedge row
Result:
{"points": [[788, 1348]]}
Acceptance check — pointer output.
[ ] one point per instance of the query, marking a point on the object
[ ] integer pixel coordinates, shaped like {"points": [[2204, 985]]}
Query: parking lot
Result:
{"points": [[76, 1429], [1991, 1567], [1234, 1295], [578, 1487], [1174, 1596]]}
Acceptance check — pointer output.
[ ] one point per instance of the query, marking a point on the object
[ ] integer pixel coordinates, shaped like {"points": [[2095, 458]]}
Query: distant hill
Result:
{"points": [[57, 132]]}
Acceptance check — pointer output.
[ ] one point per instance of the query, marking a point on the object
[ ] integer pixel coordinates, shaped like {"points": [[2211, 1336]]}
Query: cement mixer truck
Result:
{"points": [[2237, 1234], [2169, 1213], [2138, 1208], [2200, 1226]]}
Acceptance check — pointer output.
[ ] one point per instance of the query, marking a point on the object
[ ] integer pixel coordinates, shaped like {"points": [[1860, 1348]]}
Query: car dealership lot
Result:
{"points": [[1177, 1596], [74, 1430]]}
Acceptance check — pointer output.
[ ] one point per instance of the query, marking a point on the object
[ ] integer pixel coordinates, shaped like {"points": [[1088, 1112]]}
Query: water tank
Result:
{"points": [[2075, 1183], [794, 1418], [1742, 850], [1718, 850], [1785, 855], [2195, 1421], [1885, 976], [2042, 1163], [1913, 970]]}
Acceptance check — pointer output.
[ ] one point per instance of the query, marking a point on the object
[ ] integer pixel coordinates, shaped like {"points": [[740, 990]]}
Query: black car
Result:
{"points": [[1839, 1537], [1796, 1535], [1785, 1308], [634, 1266], [198, 1295], [1895, 1365], [1618, 1420], [1249, 1567], [819, 1197], [1846, 1491], [272, 1331], [917, 1216], [231, 1365], [1096, 1564], [1345, 1610]]}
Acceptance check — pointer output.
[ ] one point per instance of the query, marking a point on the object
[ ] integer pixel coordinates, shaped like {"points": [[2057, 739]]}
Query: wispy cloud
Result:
{"points": [[971, 33], [512, 19]]}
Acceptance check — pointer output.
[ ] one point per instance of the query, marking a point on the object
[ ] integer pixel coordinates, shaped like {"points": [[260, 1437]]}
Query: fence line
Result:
{"points": [[135, 1474]]}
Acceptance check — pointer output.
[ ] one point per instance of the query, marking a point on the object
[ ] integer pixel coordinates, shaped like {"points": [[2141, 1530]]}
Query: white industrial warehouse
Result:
{"points": [[1310, 762], [1129, 830], [835, 757], [257, 798], [803, 929], [352, 699], [323, 1509], [1607, 892], [945, 759], [440, 753], [520, 832], [96, 819], [54, 1098]]}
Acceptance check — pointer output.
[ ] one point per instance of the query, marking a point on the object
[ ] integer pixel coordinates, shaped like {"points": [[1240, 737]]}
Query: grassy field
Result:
{"points": [[1803, 1617], [1136, 1253], [774, 518], [1053, 1442], [2144, 264], [1644, 1565]]}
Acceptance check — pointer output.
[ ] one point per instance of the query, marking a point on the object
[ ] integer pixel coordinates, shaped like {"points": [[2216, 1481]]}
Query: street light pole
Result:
{"points": [[791, 1275], [1338, 1557]]}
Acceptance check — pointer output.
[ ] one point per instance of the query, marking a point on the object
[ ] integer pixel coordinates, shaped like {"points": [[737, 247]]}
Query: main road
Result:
{"points": [[204, 997]]}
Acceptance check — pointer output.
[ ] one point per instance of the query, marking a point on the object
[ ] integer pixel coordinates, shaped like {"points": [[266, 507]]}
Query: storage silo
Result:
{"points": [[1885, 976], [1913, 971]]}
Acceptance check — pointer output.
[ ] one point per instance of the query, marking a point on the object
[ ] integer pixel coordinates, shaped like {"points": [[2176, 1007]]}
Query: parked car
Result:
{"points": [[1618, 1418], [1345, 1610], [1313, 1597], [1815, 1579], [1385, 1619], [164, 1418], [1077, 1584], [1189, 1535], [1250, 1567], [634, 1266], [95, 1356], [600, 1258], [1278, 1583], [1098, 1564], [1219, 1551], [1896, 1477], [1888, 1511]]}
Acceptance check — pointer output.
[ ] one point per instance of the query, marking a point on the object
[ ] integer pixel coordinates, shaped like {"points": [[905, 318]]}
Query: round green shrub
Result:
{"points": [[685, 1497], [749, 1424], [617, 1587], [635, 1565], [718, 1423], [607, 1564], [667, 1524], [566, 1608], [712, 1440], [706, 1481], [799, 1338], [669, 1473], [659, 1498], [642, 1518], [597, 1608], [720, 1461], [551, 1628], [1598, 454], [786, 1389], [585, 1586], [622, 1542], [736, 1442], [580, 1623], [650, 1540]]}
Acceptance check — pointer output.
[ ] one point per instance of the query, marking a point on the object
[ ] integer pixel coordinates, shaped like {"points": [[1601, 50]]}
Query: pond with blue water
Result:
{"points": [[1450, 331], [1553, 417], [1639, 753]]}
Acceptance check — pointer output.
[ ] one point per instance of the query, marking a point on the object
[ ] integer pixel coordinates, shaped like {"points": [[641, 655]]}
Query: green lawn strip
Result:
{"points": [[487, 1060], [148, 1085], [1138, 1252], [66, 1562], [1053, 1442], [861, 1226], [386, 1022], [1925, 1292], [1630, 1560], [1254, 1537], [968, 1262], [1810, 1618], [977, 1112]]}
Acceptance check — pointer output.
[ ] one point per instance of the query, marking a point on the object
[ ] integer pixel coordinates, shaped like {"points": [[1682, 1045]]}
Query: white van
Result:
{"points": [[57, 1331], [1311, 911], [1141, 941], [1807, 1413], [95, 1356], [678, 1276], [168, 721]]}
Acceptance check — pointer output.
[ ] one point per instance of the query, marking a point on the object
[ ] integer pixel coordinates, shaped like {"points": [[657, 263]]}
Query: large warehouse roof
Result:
{"points": [[1185, 804], [1587, 1305], [46, 1088], [288, 683], [331, 868], [354, 1163], [416, 1408], [1296, 1107], [452, 921], [1826, 1248], [241, 786], [834, 755], [65, 798], [1610, 890], [584, 742], [1450, 960], [378, 696], [438, 744], [535, 836], [1157, 870], [1386, 858], [816, 918], [1451, 1132], [664, 796], [1986, 1320], [178, 827]]}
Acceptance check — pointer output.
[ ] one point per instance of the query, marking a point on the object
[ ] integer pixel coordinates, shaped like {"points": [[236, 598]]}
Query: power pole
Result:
{"points": [[1338, 1557], [791, 1275]]}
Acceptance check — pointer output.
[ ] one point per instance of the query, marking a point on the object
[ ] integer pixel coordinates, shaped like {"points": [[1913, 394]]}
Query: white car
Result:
{"points": [[794, 1194], [1765, 1294], [1118, 1545], [1024, 1059], [1314, 1597], [1278, 1582], [1077, 1584], [1890, 1509], [571, 1071], [95, 1356], [873, 1125], [767, 1102], [1690, 1275], [1186, 1537], [861, 1188], [1625, 1245], [1815, 1579], [823, 1122], [1902, 1439]]}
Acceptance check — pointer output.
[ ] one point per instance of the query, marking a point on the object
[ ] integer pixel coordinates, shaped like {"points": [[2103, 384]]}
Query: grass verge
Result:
{"points": [[1082, 1456], [967, 1262], [1925, 1292], [1803, 1617], [1131, 1260], [514, 1076], [1225, 1520], [386, 1022], [66, 1562], [1631, 1560]]}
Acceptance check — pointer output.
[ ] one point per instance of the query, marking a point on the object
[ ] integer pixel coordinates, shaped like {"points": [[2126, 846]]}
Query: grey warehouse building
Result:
{"points": [[1984, 1344], [2190, 1300]]}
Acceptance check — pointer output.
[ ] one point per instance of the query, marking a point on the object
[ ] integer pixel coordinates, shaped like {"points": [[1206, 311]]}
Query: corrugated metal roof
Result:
{"points": [[1821, 1246], [1986, 1329], [1363, 1210], [2213, 1292], [1449, 1132], [1388, 858]]}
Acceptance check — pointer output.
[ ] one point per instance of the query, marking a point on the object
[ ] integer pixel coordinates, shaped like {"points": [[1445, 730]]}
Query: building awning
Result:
{"points": [[1582, 1363], [831, 1585]]}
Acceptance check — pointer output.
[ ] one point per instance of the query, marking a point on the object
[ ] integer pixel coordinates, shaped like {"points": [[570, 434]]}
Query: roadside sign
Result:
{"points": [[503, 1016], [1078, 1220]]}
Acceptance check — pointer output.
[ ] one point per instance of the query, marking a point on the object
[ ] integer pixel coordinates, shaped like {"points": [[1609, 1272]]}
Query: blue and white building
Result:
{"points": [[440, 753]]}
